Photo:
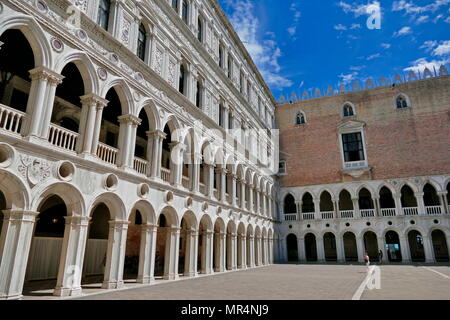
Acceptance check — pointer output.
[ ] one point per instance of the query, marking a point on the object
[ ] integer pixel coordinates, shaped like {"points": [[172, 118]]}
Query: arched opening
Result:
{"points": [[133, 246], [371, 245], [365, 199], [310, 247], [248, 244], [109, 132], [166, 154], [307, 203], [240, 245], [431, 200], [219, 246], [16, 60], [326, 202], [300, 118], [97, 244], [416, 248], [187, 245], [348, 111], [345, 204], [141, 42], [440, 246], [257, 246], [182, 80], [393, 246], [387, 202], [163, 243], [203, 253], [67, 106], [231, 229], [448, 197], [292, 247], [329, 244], [289, 205], [141, 148], [46, 246], [188, 162], [350, 247], [401, 102], [2, 207], [408, 198]]}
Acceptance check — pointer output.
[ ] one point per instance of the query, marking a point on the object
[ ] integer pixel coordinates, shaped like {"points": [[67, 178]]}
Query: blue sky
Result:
{"points": [[304, 44]]}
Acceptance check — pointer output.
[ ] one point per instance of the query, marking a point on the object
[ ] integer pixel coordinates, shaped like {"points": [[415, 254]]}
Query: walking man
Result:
{"points": [[366, 259], [380, 256]]}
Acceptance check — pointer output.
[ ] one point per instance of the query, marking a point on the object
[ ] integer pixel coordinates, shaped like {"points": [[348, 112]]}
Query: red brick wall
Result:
{"points": [[399, 143]]}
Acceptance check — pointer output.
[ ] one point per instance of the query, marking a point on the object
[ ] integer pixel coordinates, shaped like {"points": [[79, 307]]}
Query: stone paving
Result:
{"points": [[287, 282]]}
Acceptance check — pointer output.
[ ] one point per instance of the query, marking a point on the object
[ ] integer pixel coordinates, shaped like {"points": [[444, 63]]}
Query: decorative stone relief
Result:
{"points": [[34, 170]]}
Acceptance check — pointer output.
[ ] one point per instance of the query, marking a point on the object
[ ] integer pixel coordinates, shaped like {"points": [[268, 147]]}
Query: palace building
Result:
{"points": [[135, 143], [367, 170]]}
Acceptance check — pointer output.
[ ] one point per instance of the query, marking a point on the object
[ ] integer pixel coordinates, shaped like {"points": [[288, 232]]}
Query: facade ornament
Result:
{"points": [[34, 170]]}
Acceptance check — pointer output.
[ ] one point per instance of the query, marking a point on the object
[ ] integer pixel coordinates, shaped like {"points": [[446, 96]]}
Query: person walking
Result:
{"points": [[380, 256], [366, 259]]}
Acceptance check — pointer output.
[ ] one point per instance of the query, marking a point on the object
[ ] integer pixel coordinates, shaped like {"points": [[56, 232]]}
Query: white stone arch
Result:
{"points": [[329, 230], [445, 230], [35, 35], [152, 112], [305, 191], [219, 158], [84, 65], [368, 188], [347, 230], [367, 229], [69, 193], [349, 190], [191, 219], [241, 229], [417, 228], [171, 215], [326, 189], [446, 183], [146, 210], [16, 192], [308, 231], [113, 202], [175, 127], [206, 219], [230, 163], [393, 190], [413, 187], [123, 91], [433, 183], [240, 170]]}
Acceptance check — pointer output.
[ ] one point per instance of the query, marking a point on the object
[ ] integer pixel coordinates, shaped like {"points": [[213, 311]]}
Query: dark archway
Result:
{"points": [[161, 243], [371, 245], [46, 246], [289, 205], [292, 247], [350, 247], [140, 150], [97, 244], [310, 247], [307, 203], [133, 246], [16, 60], [440, 246], [387, 203], [329, 244], [109, 133], [393, 246], [165, 159], [326, 202], [408, 198], [415, 240]]}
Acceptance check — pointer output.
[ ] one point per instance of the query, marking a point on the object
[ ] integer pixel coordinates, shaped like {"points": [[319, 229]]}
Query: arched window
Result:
{"points": [[200, 30], [221, 64], [175, 4], [103, 13], [185, 12], [182, 79], [142, 40], [198, 96], [289, 205], [221, 115], [300, 118], [348, 111], [230, 67], [401, 102]]}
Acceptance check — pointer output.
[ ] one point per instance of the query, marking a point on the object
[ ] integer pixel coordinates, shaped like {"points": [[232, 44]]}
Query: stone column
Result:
{"points": [[233, 189], [222, 184], [190, 261], [220, 252], [176, 163], [244, 252], [243, 196], [72, 256], [336, 209], [376, 202], [127, 141], [298, 205], [317, 214], [53, 81], [250, 198], [428, 248], [171, 253], [115, 257], [209, 169], [420, 203], [340, 249], [444, 204], [97, 127], [382, 247], [209, 253], [42, 92], [196, 172], [251, 252], [256, 247], [357, 213], [154, 152], [15, 242], [147, 252], [404, 248], [301, 248], [257, 208], [233, 251], [398, 205], [320, 250], [360, 248], [87, 122]]}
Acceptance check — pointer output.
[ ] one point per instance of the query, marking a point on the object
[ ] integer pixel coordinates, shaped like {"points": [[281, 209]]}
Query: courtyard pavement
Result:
{"points": [[298, 282]]}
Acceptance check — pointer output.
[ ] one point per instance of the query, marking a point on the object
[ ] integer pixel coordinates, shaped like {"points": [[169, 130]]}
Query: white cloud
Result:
{"points": [[355, 26], [428, 46], [292, 30], [422, 19], [373, 56], [410, 8], [422, 63], [442, 49], [340, 27], [447, 20], [357, 68], [348, 78], [402, 32], [265, 52], [357, 9], [385, 45]]}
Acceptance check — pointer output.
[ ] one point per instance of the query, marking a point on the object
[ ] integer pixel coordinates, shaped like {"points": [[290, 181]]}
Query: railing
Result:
{"points": [[433, 210], [410, 211], [11, 119], [165, 174], [62, 137], [388, 212], [140, 165], [185, 182], [290, 217], [327, 215], [367, 213], [107, 153], [308, 216], [346, 214]]}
